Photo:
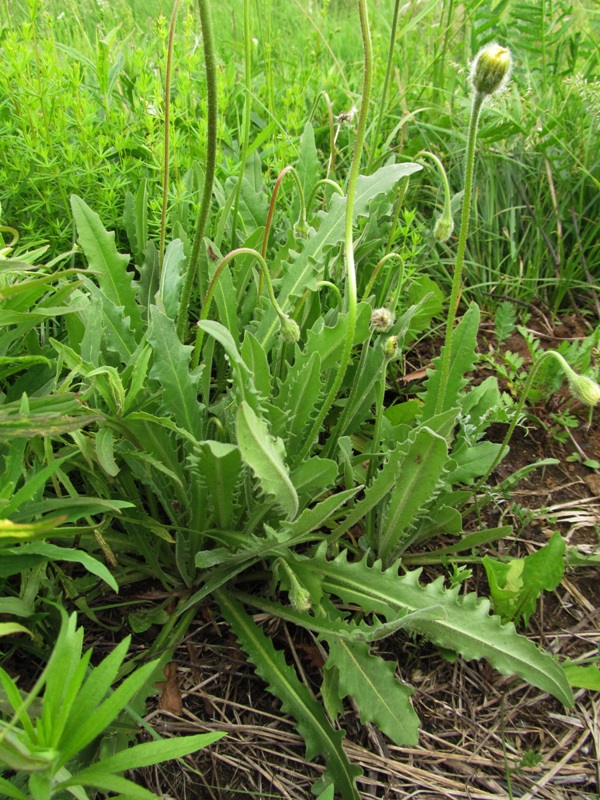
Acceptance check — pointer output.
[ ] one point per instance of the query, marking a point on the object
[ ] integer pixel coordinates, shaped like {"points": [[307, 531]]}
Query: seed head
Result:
{"points": [[585, 389], [381, 320], [491, 69]]}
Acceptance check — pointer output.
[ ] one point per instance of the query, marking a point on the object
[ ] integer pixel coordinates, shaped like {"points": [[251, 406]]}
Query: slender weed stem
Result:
{"points": [[348, 238], [478, 99], [210, 63], [167, 125], [206, 305], [386, 83], [245, 123], [302, 215]]}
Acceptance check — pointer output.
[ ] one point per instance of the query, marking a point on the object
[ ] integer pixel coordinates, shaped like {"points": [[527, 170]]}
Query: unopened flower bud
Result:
{"points": [[443, 227], [390, 347], [299, 596], [381, 319], [289, 329], [585, 389], [491, 69]]}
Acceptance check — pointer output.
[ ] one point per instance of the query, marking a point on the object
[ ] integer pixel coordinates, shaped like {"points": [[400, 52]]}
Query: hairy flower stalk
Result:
{"points": [[210, 63], [489, 74], [289, 328], [348, 238], [445, 224]]}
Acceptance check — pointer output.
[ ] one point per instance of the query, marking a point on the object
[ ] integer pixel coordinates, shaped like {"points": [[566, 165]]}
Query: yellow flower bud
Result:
{"points": [[491, 69]]}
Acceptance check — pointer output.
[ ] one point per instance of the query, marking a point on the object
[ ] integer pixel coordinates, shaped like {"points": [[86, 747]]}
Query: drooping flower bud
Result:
{"points": [[381, 319], [585, 389], [289, 329], [491, 69], [390, 348], [444, 226]]}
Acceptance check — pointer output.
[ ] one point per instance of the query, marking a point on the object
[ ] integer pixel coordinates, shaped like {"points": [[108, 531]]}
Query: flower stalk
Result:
{"points": [[351, 291], [489, 74], [210, 64]]}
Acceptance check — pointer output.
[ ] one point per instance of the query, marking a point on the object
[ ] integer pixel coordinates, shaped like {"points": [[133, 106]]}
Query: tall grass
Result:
{"points": [[82, 103]]}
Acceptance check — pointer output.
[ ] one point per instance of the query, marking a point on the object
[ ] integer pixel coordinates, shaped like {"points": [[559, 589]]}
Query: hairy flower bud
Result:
{"points": [[444, 226], [381, 319], [491, 69], [289, 329], [585, 389], [390, 348]]}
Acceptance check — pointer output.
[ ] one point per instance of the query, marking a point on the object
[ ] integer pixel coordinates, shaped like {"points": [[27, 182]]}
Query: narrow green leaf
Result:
{"points": [[109, 783], [7, 628], [464, 342], [220, 466], [12, 791], [297, 399], [107, 711], [91, 694], [33, 485], [419, 470], [308, 160], [105, 451], [171, 277], [282, 681], [54, 553], [30, 530], [149, 753], [257, 362]]}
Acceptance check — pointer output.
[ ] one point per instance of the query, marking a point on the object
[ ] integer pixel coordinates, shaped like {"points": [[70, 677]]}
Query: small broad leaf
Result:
{"points": [[583, 677], [462, 360], [472, 462], [516, 585], [371, 682], [264, 455], [172, 370], [104, 259]]}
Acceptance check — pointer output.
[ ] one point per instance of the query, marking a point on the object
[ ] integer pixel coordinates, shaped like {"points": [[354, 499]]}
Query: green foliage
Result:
{"points": [[77, 707], [516, 585], [197, 464]]}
